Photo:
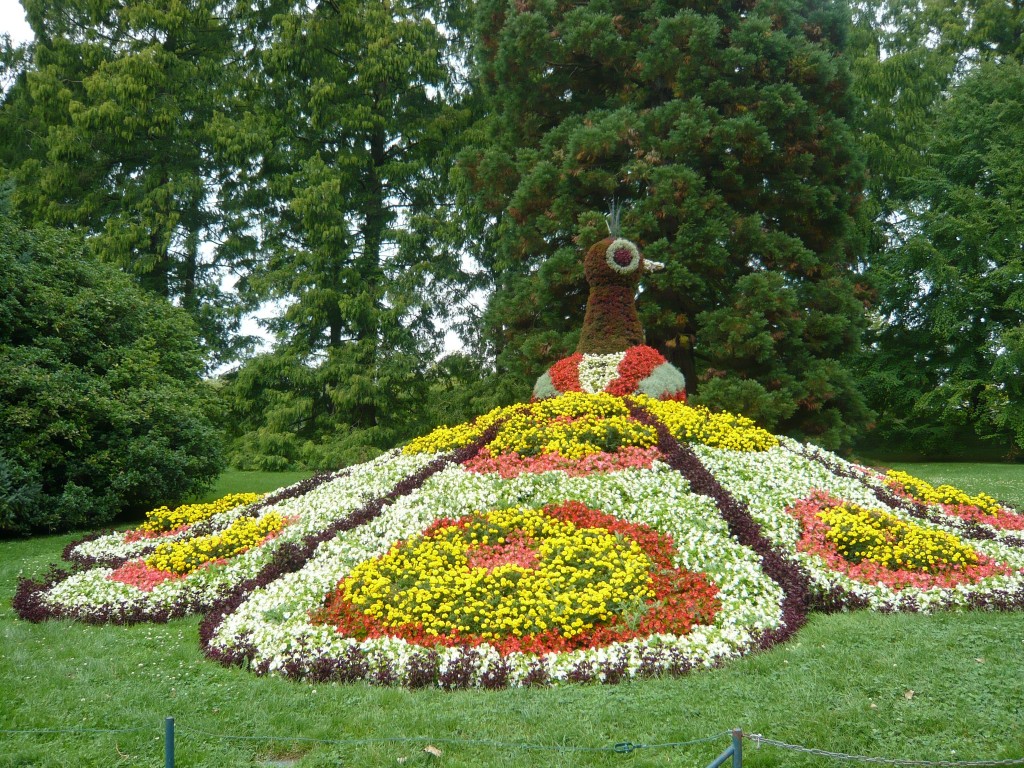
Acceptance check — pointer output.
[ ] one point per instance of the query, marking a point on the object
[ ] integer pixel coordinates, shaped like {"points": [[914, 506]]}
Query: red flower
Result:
{"points": [[565, 374], [638, 363], [813, 541], [682, 599], [512, 464], [137, 574]]}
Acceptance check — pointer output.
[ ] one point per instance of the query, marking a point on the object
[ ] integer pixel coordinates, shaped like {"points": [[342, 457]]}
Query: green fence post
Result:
{"points": [[169, 742], [734, 750]]}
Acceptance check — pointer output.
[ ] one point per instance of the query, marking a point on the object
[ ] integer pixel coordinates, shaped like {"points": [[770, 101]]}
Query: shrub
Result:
{"points": [[103, 408]]}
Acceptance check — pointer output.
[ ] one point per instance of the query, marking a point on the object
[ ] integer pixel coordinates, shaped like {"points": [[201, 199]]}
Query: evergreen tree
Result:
{"points": [[723, 127], [343, 136], [110, 132]]}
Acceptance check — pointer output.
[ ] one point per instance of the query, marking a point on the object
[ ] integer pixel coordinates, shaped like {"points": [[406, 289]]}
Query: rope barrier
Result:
{"points": [[34, 731], [621, 747]]}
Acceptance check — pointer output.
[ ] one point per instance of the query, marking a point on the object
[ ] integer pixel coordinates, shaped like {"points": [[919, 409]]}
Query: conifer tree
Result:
{"points": [[112, 129], [342, 136], [723, 128]]}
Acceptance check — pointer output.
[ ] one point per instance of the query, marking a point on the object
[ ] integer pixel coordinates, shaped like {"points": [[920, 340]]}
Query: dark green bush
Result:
{"points": [[101, 401]]}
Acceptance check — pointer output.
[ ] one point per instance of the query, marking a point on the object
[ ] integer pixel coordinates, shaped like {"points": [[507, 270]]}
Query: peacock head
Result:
{"points": [[616, 261]]}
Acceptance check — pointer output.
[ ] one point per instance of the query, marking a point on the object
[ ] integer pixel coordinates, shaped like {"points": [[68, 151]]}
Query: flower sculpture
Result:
{"points": [[605, 530], [611, 355]]}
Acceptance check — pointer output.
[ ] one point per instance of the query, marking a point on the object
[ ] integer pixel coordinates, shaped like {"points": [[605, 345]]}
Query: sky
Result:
{"points": [[12, 21]]}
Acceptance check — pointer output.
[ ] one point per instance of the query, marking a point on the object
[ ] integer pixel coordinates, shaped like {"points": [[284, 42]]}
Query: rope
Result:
{"points": [[73, 730]]}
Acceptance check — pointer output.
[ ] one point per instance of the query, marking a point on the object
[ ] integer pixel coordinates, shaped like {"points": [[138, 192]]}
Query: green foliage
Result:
{"points": [[343, 135], [115, 124], [948, 356], [100, 396], [723, 128]]}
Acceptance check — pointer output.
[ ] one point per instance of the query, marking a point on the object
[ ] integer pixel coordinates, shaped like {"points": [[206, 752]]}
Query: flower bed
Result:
{"points": [[523, 580], [576, 424], [161, 525], [876, 547], [980, 508], [142, 593], [273, 628], [638, 370], [587, 537]]}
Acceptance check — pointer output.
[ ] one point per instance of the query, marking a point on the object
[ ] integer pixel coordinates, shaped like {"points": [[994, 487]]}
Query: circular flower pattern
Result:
{"points": [[875, 546], [623, 256], [524, 580]]}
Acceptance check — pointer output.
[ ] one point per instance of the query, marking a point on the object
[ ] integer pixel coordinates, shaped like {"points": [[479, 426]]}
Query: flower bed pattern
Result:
{"points": [[638, 370], [878, 548], [707, 537], [980, 508], [524, 580]]}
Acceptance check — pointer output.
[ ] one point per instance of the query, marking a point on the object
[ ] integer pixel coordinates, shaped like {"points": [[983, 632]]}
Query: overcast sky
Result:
{"points": [[12, 21]]}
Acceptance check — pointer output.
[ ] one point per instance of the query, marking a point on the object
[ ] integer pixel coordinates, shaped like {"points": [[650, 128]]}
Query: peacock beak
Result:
{"points": [[653, 266]]}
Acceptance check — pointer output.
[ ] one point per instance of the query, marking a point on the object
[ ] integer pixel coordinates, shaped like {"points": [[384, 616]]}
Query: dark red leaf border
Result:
{"points": [[742, 526]]}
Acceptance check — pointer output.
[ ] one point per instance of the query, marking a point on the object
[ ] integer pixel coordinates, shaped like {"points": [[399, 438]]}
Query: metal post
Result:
{"points": [[734, 750], [169, 742]]}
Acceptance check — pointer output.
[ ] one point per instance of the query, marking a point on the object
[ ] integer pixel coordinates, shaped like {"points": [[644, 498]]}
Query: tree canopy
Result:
{"points": [[947, 360], [723, 128], [344, 131], [361, 169]]}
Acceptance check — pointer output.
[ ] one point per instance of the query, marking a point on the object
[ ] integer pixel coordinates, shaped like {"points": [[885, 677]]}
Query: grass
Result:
{"points": [[943, 687], [238, 481]]}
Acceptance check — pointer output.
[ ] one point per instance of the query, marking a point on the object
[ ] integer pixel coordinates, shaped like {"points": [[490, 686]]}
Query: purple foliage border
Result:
{"points": [[680, 457]]}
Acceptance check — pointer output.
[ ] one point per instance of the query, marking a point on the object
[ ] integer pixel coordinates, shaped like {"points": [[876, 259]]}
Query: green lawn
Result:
{"points": [[943, 687], [237, 481]]}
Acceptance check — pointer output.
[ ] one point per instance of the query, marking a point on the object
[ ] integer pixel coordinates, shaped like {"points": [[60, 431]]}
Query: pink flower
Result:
{"points": [[512, 464], [137, 574]]}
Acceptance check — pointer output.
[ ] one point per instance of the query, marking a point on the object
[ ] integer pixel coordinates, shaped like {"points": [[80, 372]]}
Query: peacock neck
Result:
{"points": [[611, 323]]}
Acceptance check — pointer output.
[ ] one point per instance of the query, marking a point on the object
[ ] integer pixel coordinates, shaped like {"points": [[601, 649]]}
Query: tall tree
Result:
{"points": [[723, 127], [121, 95], [344, 136], [947, 359], [936, 389]]}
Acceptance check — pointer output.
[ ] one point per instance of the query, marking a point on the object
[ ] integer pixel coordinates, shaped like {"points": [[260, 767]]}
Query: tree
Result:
{"points": [[911, 62], [947, 359], [113, 127], [103, 408], [345, 138], [724, 129]]}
